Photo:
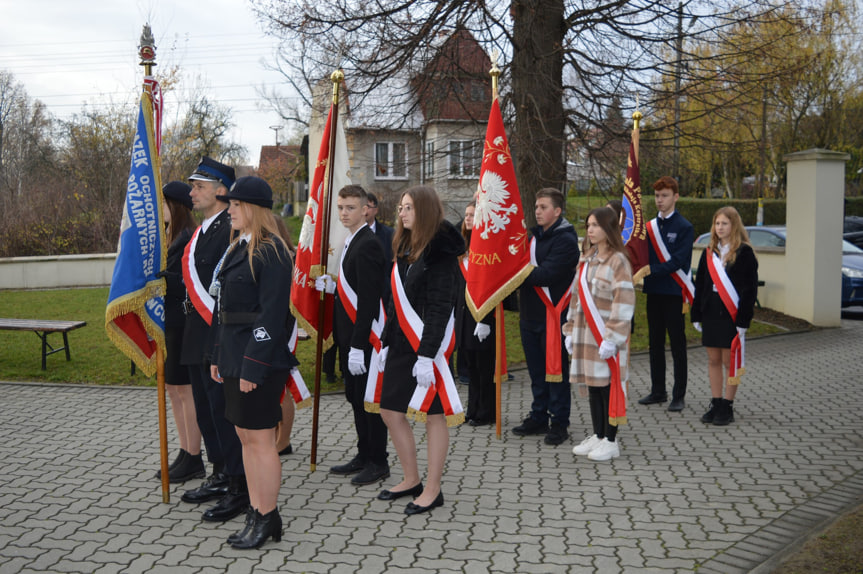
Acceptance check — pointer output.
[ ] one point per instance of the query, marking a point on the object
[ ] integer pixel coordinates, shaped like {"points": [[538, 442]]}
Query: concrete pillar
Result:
{"points": [[813, 250]]}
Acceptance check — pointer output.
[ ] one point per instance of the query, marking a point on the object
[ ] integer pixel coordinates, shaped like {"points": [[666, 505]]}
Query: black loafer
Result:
{"points": [[287, 450], [676, 405], [370, 474], [216, 486], [652, 399], [412, 508], [356, 464], [390, 495], [232, 505]]}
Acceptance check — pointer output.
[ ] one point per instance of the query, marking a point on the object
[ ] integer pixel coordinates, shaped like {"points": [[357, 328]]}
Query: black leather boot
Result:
{"points": [[250, 522], [264, 526], [711, 412], [232, 504], [192, 466], [725, 414], [216, 486], [180, 456]]}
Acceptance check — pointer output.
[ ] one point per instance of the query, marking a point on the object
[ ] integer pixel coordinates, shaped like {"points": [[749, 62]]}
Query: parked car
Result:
{"points": [[852, 230], [852, 259]]}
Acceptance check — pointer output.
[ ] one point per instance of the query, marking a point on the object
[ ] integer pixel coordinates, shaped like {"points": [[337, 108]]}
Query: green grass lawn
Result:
{"points": [[96, 360]]}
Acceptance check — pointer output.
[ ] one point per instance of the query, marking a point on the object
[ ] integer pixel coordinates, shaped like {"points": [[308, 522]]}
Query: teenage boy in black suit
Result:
{"points": [[224, 450], [384, 233], [362, 276]]}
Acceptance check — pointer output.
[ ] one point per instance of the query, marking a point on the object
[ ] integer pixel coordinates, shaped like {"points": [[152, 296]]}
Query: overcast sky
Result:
{"points": [[68, 52]]}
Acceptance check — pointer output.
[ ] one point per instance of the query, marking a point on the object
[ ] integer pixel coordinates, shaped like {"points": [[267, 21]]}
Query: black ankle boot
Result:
{"points": [[711, 413], [192, 466], [725, 414], [233, 504], [179, 459], [264, 526], [250, 521]]}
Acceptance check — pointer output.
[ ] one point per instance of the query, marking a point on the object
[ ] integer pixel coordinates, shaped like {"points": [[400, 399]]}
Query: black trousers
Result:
{"points": [[223, 446], [665, 315], [481, 391], [371, 429]]}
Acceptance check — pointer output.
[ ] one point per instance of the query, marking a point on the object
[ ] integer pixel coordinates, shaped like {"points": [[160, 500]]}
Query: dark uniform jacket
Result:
{"points": [[385, 233], [431, 284], [209, 249], [254, 320], [743, 274], [678, 236], [465, 324], [175, 290], [557, 257], [365, 270]]}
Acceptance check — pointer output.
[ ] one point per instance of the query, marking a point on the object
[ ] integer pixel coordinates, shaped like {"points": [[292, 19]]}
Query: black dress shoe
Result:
{"points": [[390, 495], [287, 450], [232, 504], [530, 426], [356, 464], [371, 473], [180, 456], [412, 508], [216, 486], [652, 399], [676, 405], [480, 422], [192, 466]]}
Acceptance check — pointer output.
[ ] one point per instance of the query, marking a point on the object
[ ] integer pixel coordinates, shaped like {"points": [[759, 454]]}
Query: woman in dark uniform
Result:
{"points": [[427, 249], [179, 226], [251, 356], [733, 258]]}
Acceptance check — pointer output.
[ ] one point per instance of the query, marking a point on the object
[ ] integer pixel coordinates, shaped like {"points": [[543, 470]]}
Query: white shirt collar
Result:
{"points": [[207, 222]]}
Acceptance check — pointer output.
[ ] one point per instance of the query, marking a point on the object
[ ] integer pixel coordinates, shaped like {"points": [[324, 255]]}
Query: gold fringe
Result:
{"points": [[455, 420], [307, 327], [640, 274], [372, 407], [134, 303], [307, 402], [497, 296], [416, 415], [685, 308], [553, 378], [617, 421]]}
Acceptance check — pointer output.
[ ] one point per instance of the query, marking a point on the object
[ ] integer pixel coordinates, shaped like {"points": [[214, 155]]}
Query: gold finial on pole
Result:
{"points": [[494, 73], [147, 50], [636, 117], [337, 78]]}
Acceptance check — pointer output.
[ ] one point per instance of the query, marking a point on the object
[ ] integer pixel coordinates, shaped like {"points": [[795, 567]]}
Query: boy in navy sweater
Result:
{"points": [[670, 251]]}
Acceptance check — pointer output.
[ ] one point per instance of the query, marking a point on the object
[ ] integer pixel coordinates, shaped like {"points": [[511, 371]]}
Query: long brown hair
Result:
{"points": [[181, 219], [428, 216], [608, 222], [738, 233], [465, 232], [263, 229]]}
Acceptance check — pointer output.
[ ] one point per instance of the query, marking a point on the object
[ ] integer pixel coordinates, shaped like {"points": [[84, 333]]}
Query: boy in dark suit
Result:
{"points": [[362, 276], [384, 233]]}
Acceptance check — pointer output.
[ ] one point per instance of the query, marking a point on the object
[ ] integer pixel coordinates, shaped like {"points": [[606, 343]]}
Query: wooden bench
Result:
{"points": [[42, 329]]}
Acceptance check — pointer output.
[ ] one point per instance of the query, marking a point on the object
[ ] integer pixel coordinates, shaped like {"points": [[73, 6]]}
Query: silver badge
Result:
{"points": [[261, 334]]}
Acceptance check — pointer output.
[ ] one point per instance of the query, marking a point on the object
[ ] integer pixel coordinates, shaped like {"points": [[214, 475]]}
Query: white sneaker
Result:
{"points": [[586, 445], [605, 451]]}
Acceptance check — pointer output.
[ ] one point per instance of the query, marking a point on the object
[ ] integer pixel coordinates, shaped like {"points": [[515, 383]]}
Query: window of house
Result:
{"points": [[391, 160], [465, 158], [429, 160]]}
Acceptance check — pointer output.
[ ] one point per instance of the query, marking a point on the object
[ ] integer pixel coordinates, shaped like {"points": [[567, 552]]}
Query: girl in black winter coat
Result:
{"points": [[426, 249]]}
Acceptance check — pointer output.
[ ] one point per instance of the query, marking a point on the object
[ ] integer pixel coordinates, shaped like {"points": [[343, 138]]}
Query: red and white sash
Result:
{"points": [[687, 289], [553, 349], [198, 294], [731, 300], [295, 385], [444, 385], [617, 393]]}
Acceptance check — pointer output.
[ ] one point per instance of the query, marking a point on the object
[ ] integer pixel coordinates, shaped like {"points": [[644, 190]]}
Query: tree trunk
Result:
{"points": [[538, 139]]}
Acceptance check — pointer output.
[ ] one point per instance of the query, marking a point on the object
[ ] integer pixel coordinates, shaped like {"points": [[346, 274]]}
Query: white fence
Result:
{"points": [[57, 271]]}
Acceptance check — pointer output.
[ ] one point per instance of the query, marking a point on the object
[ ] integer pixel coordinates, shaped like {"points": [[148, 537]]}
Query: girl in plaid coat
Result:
{"points": [[608, 275]]}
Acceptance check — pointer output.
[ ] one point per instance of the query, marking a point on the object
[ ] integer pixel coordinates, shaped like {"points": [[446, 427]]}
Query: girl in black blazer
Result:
{"points": [[730, 242], [251, 356]]}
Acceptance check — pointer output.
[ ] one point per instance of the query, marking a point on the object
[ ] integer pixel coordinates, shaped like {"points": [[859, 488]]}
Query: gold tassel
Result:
{"points": [[372, 407], [455, 420], [617, 421], [307, 402]]}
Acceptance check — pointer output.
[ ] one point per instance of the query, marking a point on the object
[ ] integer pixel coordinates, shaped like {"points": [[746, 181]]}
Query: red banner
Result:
{"points": [[635, 227], [499, 258]]}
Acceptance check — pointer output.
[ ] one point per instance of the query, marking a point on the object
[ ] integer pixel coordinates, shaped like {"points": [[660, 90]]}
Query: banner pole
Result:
{"points": [[498, 364], [336, 77]]}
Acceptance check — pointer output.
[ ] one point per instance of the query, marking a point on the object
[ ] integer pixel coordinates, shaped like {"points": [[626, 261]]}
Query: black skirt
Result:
{"points": [[175, 373], [258, 409], [717, 327], [399, 383]]}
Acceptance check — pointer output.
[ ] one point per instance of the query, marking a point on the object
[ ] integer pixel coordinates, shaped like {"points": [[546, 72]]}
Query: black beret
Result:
{"points": [[179, 192], [251, 190]]}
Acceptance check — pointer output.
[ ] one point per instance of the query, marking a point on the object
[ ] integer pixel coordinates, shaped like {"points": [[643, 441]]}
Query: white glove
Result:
{"points": [[741, 331], [567, 343], [424, 371], [482, 331], [382, 358], [356, 362], [325, 283], [607, 350], [697, 326]]}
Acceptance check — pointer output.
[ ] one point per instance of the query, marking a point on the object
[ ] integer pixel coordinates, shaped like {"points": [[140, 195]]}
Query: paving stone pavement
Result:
{"points": [[78, 495]]}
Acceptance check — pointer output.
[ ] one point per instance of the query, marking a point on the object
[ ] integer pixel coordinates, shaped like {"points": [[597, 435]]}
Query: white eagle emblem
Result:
{"points": [[491, 196], [307, 231]]}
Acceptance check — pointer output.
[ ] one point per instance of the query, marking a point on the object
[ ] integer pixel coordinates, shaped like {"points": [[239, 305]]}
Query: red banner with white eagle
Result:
{"points": [[499, 257]]}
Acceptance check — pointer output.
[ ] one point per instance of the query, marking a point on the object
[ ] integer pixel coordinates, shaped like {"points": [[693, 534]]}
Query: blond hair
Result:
{"points": [[263, 230]]}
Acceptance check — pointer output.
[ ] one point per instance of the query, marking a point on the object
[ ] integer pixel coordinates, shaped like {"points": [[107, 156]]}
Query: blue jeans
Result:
{"points": [[550, 400]]}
